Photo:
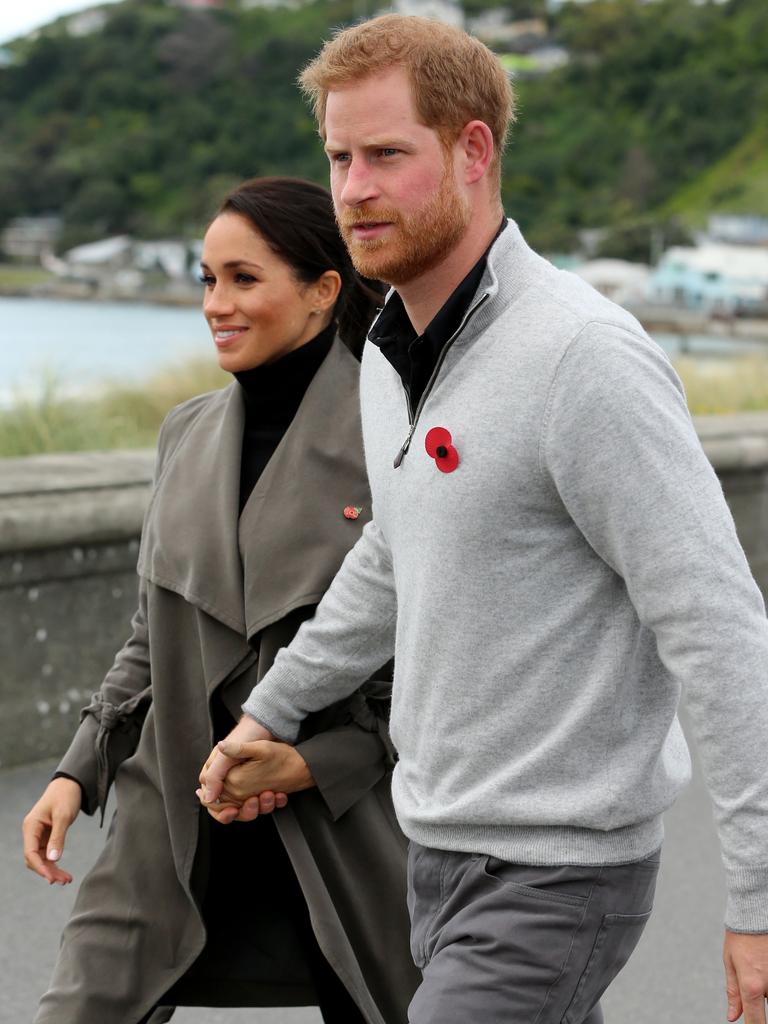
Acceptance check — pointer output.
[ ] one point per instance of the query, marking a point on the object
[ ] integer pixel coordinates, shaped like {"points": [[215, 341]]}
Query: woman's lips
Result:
{"points": [[225, 336]]}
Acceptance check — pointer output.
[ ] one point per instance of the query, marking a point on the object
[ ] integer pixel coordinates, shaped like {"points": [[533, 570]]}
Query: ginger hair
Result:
{"points": [[455, 78]]}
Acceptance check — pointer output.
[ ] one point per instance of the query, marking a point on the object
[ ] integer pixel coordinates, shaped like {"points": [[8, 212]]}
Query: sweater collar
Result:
{"points": [[511, 268]]}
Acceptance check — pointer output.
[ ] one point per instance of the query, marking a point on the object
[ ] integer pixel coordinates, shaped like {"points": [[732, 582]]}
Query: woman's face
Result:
{"points": [[255, 307]]}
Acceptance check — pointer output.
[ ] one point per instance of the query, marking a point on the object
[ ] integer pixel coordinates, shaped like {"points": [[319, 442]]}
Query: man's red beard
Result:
{"points": [[414, 243]]}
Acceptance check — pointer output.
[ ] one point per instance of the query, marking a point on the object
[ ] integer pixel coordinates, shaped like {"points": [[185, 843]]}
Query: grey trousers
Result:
{"points": [[501, 943]]}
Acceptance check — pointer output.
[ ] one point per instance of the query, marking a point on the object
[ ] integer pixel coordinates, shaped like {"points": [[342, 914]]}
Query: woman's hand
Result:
{"points": [[45, 828], [260, 783]]}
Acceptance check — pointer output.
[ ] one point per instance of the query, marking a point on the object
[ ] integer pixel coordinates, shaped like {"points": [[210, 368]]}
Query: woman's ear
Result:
{"points": [[325, 290]]}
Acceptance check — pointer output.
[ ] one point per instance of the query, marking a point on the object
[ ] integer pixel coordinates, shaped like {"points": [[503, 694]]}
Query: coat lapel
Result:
{"points": [[292, 535], [189, 542]]}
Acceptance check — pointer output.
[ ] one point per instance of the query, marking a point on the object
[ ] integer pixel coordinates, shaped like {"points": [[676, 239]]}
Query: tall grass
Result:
{"points": [[129, 416], [120, 416], [725, 385]]}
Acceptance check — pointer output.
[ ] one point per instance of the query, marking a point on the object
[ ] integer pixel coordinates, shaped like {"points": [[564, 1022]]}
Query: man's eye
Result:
{"points": [[388, 151], [340, 158]]}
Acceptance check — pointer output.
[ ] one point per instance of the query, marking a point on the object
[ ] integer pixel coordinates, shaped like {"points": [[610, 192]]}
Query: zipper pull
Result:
{"points": [[401, 454]]}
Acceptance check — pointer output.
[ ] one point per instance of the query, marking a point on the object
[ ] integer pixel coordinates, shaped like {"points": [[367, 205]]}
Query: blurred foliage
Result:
{"points": [[141, 126], [724, 385], [129, 416], [16, 277], [120, 416]]}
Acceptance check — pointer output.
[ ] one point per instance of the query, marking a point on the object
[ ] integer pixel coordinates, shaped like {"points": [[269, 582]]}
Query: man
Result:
{"points": [[550, 560]]}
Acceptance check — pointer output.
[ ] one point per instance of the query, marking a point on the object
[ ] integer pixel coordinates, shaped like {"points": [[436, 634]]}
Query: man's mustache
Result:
{"points": [[367, 215]]}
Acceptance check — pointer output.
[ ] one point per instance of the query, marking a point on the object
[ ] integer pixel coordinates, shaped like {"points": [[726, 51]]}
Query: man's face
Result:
{"points": [[397, 201]]}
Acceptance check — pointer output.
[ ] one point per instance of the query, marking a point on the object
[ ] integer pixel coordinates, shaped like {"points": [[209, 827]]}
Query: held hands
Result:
{"points": [[259, 772], [746, 974], [45, 828]]}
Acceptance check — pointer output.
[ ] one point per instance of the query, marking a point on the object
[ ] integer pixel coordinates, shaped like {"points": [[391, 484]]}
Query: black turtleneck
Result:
{"points": [[273, 394]]}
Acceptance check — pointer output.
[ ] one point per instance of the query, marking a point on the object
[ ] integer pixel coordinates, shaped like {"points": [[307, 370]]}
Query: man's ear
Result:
{"points": [[476, 147]]}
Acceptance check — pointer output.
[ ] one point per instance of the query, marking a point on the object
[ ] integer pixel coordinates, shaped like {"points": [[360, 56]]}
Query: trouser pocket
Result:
{"points": [[615, 940]]}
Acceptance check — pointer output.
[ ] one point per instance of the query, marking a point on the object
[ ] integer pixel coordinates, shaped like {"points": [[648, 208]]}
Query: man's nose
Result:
{"points": [[359, 184]]}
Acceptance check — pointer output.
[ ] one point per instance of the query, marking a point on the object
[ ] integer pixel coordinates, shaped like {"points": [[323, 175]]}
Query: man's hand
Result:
{"points": [[269, 766], [259, 784], [45, 828], [746, 974], [215, 769]]}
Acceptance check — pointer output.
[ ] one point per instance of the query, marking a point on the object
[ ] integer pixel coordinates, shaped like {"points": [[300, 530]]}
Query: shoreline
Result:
{"points": [[667, 319]]}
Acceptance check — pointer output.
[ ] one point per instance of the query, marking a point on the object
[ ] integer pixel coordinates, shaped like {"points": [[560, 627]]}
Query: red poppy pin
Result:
{"points": [[439, 447], [353, 511]]}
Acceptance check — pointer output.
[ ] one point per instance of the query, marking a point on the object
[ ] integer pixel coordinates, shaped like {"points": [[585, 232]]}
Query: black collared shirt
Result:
{"points": [[415, 356]]}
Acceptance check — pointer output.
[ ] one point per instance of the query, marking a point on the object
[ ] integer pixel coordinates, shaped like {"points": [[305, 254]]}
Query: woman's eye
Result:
{"points": [[244, 278], [207, 279]]}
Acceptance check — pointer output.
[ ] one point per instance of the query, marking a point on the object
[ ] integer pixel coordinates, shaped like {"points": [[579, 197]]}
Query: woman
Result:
{"points": [[260, 491]]}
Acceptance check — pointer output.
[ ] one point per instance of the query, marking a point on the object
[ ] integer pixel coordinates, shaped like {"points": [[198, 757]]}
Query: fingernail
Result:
{"points": [[207, 794], [53, 854]]}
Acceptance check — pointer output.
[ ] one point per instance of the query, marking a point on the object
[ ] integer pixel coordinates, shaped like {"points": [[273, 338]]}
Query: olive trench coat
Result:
{"points": [[218, 597]]}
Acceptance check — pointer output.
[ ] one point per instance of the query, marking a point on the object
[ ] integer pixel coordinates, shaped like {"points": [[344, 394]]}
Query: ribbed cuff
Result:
{"points": [[269, 706], [747, 907]]}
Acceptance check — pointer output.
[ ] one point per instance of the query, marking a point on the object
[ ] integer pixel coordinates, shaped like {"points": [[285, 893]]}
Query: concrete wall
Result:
{"points": [[69, 537]]}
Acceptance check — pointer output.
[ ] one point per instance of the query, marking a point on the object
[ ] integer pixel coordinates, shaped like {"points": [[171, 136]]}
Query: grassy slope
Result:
{"points": [[737, 183]]}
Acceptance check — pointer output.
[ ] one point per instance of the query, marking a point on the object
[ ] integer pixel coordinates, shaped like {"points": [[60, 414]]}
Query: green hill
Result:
{"points": [[737, 183], [140, 126]]}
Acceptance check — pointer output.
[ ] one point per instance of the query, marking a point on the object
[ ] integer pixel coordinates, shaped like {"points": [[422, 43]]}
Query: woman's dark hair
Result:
{"points": [[295, 218]]}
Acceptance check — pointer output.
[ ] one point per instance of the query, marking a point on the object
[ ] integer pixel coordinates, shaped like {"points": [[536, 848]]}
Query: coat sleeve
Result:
{"points": [[110, 725], [348, 759], [622, 452], [351, 635]]}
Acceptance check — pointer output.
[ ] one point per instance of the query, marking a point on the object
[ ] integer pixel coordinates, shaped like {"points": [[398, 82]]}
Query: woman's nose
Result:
{"points": [[218, 301]]}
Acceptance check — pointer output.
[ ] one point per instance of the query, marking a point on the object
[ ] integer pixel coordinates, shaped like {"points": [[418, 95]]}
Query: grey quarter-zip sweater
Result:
{"points": [[548, 596]]}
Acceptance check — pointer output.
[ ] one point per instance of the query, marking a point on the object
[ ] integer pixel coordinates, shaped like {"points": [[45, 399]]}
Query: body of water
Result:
{"points": [[83, 344]]}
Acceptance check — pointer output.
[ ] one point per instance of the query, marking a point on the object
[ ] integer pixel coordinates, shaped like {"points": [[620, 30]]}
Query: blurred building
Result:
{"points": [[126, 266], [619, 280], [449, 11], [28, 239], [496, 28], [714, 278], [738, 229]]}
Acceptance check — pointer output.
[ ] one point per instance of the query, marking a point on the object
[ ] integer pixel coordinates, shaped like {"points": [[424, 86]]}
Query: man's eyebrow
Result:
{"points": [[385, 142]]}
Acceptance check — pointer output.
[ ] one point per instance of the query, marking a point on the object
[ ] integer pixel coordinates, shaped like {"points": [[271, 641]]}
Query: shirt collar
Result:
{"points": [[394, 327]]}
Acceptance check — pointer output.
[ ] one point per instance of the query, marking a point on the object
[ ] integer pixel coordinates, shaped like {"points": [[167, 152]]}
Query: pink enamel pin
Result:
{"points": [[353, 511], [439, 447]]}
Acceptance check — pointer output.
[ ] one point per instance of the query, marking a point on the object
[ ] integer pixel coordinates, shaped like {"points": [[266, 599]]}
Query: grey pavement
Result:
{"points": [[674, 975]]}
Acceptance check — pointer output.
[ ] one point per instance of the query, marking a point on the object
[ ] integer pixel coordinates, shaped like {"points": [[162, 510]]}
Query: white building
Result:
{"points": [[713, 278], [28, 238], [449, 11], [738, 229], [619, 280], [495, 26]]}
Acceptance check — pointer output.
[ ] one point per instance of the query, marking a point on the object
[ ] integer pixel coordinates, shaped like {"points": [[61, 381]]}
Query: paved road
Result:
{"points": [[674, 976]]}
